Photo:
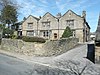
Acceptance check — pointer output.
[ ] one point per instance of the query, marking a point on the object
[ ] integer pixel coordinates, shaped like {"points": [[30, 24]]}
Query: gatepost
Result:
{"points": [[91, 52]]}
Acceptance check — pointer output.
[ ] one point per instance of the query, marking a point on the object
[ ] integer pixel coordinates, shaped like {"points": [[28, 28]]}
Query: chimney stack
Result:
{"points": [[39, 17], [58, 15], [84, 14]]}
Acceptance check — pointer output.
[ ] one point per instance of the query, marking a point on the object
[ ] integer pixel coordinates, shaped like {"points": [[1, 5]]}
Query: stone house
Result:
{"points": [[48, 26], [17, 27], [30, 26], [77, 23], [51, 27]]}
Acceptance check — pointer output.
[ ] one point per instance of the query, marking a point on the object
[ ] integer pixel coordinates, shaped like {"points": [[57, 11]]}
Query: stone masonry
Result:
{"points": [[50, 48]]}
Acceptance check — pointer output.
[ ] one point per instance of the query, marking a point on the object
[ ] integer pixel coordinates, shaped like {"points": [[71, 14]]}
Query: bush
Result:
{"points": [[14, 36], [67, 33], [33, 39], [7, 33]]}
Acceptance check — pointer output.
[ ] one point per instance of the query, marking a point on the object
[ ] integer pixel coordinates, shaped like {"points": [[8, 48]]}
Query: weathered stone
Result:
{"points": [[50, 48]]}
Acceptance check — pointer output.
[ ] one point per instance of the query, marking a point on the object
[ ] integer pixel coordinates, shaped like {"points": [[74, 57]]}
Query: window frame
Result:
{"points": [[70, 23], [30, 34], [46, 24], [30, 25]]}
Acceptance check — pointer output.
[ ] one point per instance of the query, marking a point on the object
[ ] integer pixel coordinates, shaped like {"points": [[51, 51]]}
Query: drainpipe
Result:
{"points": [[58, 28], [37, 28]]}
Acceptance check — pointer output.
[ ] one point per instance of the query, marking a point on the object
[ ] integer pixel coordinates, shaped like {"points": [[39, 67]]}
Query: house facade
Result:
{"points": [[77, 24], [48, 26], [51, 27], [30, 26]]}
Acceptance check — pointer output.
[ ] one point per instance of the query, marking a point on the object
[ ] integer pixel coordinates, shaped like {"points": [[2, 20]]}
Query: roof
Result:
{"points": [[33, 17], [17, 23], [72, 12], [88, 25], [50, 14]]}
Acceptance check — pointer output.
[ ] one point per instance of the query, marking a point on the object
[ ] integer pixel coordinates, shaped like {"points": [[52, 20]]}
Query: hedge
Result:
{"points": [[33, 39]]}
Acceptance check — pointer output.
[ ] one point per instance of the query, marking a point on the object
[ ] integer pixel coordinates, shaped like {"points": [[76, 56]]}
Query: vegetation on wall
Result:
{"points": [[67, 33]]}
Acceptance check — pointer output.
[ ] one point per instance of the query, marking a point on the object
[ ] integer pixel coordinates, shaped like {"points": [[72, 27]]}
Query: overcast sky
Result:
{"points": [[40, 7]]}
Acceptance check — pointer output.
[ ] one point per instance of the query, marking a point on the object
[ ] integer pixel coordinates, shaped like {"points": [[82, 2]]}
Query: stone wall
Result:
{"points": [[59, 46], [50, 48]]}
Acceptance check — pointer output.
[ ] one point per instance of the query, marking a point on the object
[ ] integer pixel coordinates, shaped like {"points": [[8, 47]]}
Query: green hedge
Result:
{"points": [[33, 39]]}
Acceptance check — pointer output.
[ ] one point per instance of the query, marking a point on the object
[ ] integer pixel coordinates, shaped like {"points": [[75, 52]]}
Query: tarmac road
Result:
{"points": [[13, 66]]}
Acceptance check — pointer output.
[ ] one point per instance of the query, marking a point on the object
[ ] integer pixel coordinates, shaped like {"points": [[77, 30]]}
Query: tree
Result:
{"points": [[6, 32], [2, 26], [7, 2], [67, 33], [8, 15]]}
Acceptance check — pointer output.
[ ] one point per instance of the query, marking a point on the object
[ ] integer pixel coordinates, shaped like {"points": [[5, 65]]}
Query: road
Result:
{"points": [[13, 66], [47, 66]]}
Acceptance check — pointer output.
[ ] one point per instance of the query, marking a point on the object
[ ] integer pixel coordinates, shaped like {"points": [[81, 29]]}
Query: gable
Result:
{"points": [[71, 14], [30, 18], [48, 16]]}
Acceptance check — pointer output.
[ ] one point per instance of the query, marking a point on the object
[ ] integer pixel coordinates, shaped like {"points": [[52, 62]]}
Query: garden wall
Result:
{"points": [[50, 48]]}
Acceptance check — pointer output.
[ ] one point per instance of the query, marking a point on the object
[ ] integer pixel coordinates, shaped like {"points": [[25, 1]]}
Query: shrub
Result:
{"points": [[33, 39], [7, 33], [67, 33], [14, 36]]}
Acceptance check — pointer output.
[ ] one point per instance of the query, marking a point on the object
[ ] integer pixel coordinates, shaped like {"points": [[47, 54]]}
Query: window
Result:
{"points": [[46, 24], [55, 35], [45, 33], [70, 23], [30, 25], [30, 33], [20, 27]]}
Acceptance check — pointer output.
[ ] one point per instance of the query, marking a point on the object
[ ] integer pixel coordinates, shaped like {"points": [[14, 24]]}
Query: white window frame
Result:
{"points": [[30, 33]]}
